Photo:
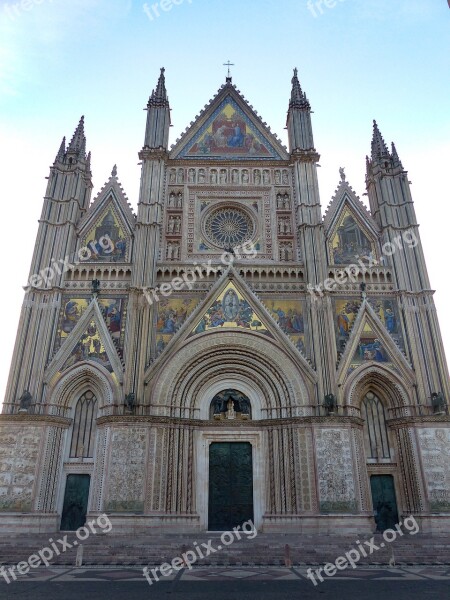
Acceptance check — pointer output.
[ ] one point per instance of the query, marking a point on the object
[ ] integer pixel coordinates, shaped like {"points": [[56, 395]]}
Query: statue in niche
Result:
{"points": [[285, 178], [213, 176], [277, 178], [180, 176], [172, 176], [286, 201], [279, 201], [330, 404], [179, 200], [230, 404], [223, 176], [171, 225], [244, 406], [25, 401], [231, 413], [245, 177], [95, 286], [438, 403], [201, 176], [218, 406], [177, 225], [257, 177], [235, 176], [266, 177], [191, 176], [172, 200], [130, 400]]}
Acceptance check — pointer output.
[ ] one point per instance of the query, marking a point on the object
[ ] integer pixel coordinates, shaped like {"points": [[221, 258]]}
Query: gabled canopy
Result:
{"points": [[229, 129], [371, 344], [231, 306]]}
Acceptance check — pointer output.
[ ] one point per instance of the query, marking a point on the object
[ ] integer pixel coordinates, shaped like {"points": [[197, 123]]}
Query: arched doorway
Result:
{"points": [[379, 456], [79, 461], [230, 497]]}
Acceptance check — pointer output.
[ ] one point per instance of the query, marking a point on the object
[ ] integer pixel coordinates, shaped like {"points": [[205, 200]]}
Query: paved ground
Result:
{"points": [[228, 583]]}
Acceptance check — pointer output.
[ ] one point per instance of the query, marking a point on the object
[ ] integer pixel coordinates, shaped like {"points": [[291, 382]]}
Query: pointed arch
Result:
{"points": [[381, 380], [65, 391]]}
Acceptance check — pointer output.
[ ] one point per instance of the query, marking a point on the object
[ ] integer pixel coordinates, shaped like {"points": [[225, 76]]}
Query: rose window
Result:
{"points": [[228, 227]]}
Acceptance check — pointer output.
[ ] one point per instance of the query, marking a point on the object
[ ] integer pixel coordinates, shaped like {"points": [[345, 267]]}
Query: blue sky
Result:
{"points": [[359, 60]]}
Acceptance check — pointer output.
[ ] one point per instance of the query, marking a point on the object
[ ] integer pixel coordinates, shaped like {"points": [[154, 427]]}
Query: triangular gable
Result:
{"points": [[370, 343], [350, 229], [230, 310], [89, 341], [109, 215], [229, 129], [249, 315]]}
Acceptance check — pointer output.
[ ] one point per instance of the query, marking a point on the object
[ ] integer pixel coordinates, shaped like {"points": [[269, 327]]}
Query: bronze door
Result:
{"points": [[230, 485], [75, 502], [384, 501]]}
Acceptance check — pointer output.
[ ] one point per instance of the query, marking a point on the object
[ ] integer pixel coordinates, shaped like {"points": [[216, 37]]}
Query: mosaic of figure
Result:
{"points": [[350, 242], [289, 319], [90, 348], [230, 133], [289, 316], [385, 311], [370, 347], [172, 314], [346, 311], [107, 240], [230, 309], [73, 308]]}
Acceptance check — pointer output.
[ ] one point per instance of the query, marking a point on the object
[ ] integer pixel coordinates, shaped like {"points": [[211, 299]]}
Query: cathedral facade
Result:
{"points": [[230, 352]]}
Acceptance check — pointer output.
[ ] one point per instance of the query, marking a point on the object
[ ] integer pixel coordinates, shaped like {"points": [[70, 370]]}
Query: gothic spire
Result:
{"points": [[159, 95], [298, 98], [158, 116], [88, 163], [61, 151], [395, 158], [78, 141], [379, 147]]}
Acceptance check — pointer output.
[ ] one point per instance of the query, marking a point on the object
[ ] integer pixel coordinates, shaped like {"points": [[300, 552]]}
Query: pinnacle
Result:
{"points": [[78, 141], [298, 98], [61, 151], [395, 156], [159, 94], [379, 147]]}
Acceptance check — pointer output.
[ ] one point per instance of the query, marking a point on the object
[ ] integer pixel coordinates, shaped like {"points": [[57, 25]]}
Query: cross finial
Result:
{"points": [[228, 64]]}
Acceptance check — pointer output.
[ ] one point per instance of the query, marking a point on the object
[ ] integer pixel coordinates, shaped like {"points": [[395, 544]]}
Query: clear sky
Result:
{"points": [[357, 60]]}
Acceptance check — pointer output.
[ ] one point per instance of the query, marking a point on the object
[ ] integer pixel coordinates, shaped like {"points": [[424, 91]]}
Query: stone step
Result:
{"points": [[266, 549]]}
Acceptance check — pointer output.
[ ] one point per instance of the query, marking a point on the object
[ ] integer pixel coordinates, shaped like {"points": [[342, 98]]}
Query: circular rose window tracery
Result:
{"points": [[230, 226]]}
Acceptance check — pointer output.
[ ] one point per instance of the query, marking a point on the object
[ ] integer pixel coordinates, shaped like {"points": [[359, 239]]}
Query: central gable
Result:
{"points": [[228, 130], [231, 309]]}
